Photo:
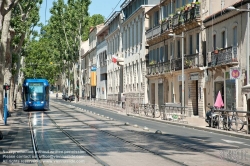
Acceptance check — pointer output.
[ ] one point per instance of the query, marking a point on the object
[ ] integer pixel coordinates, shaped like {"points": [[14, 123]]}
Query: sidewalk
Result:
{"points": [[192, 122], [16, 139]]}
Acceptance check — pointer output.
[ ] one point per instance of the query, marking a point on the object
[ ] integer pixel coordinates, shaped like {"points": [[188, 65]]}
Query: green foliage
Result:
{"points": [[59, 40]]}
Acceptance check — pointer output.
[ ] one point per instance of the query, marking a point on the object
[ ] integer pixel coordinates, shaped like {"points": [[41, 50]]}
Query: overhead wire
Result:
{"points": [[113, 9]]}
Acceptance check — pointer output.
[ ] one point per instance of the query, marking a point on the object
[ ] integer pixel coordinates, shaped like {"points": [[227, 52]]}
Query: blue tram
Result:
{"points": [[35, 94]]}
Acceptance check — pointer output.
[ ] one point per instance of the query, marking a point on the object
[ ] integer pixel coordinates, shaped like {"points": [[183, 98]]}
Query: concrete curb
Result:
{"points": [[218, 131], [228, 133]]}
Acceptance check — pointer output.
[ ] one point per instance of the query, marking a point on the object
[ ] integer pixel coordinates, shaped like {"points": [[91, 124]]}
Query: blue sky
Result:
{"points": [[103, 7]]}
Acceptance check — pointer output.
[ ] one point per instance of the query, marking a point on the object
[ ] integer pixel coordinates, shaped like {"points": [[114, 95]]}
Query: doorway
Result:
{"points": [[196, 98], [153, 93], [219, 86], [160, 94]]}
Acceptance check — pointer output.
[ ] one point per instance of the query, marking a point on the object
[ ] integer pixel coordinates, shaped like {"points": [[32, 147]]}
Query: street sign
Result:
{"points": [[235, 73], [194, 76], [93, 68]]}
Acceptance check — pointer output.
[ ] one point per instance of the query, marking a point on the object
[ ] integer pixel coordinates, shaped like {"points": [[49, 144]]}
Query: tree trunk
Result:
{"points": [[3, 51]]}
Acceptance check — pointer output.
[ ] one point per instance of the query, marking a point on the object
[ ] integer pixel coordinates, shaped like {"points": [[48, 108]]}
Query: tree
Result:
{"points": [[5, 15]]}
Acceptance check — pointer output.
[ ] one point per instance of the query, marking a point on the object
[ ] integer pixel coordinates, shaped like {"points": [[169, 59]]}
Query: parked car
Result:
{"points": [[66, 97], [71, 98]]}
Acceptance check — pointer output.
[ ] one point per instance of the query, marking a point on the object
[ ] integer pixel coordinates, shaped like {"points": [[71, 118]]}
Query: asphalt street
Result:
{"points": [[182, 133]]}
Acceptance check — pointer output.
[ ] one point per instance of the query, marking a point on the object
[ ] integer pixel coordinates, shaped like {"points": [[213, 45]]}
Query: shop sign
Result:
{"points": [[194, 76], [180, 77], [235, 73]]}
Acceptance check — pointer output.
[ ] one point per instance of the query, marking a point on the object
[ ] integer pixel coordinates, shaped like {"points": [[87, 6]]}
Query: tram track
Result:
{"points": [[117, 137], [34, 144], [156, 138]]}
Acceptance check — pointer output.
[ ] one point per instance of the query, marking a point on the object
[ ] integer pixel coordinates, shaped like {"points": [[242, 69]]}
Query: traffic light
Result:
{"points": [[6, 87]]}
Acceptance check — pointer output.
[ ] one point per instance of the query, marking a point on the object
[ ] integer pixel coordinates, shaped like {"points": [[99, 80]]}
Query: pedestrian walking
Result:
{"points": [[56, 95], [15, 104], [123, 99]]}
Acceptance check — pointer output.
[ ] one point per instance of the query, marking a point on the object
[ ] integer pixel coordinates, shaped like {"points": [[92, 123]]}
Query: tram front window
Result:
{"points": [[36, 92]]}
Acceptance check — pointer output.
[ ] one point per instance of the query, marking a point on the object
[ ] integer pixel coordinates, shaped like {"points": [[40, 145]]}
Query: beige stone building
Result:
{"points": [[227, 39], [164, 69]]}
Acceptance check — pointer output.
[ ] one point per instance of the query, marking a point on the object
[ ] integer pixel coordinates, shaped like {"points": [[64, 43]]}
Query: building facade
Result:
{"points": [[227, 43], [164, 71], [114, 74], [134, 49], [101, 71]]}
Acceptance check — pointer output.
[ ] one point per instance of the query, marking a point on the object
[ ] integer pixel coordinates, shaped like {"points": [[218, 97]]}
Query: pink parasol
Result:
{"points": [[219, 102]]}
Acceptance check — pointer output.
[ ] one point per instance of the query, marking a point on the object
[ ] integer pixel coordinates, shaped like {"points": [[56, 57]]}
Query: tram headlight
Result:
{"points": [[29, 102], [42, 102]]}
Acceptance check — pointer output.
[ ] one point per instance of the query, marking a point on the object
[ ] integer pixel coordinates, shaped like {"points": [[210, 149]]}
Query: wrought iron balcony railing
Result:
{"points": [[190, 61], [153, 32], [167, 25], [224, 56], [159, 68]]}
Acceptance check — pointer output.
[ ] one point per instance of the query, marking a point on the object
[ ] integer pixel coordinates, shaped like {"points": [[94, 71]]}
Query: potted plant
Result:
{"points": [[187, 7], [152, 62], [178, 11], [216, 51], [182, 8], [192, 4], [197, 4], [163, 20], [188, 62]]}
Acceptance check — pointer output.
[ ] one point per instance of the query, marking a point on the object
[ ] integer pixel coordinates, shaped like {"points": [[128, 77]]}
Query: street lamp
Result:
{"points": [[182, 65]]}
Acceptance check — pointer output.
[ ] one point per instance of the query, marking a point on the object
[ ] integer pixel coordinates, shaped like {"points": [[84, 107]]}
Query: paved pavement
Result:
{"points": [[13, 149]]}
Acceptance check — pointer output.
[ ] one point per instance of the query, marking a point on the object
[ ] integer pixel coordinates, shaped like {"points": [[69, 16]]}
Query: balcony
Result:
{"points": [[176, 19], [191, 14], [153, 32], [159, 68], [224, 56], [167, 25], [190, 61]]}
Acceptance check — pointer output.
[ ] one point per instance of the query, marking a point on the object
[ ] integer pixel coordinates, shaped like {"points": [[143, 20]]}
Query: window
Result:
{"points": [[235, 36], [183, 2], [197, 42], [177, 3], [157, 55], [172, 51], [223, 39], [161, 55], [166, 53], [190, 44], [214, 42], [178, 48], [156, 18]]}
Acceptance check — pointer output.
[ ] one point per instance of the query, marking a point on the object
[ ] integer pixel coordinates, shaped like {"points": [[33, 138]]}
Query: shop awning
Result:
{"points": [[245, 89]]}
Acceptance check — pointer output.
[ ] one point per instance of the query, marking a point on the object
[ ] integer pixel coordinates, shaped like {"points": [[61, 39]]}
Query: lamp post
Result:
{"points": [[182, 66]]}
